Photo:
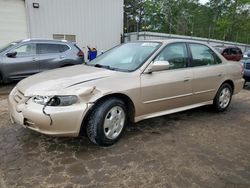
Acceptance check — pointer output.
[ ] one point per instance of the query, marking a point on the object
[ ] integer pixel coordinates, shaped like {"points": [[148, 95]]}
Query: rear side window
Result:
{"points": [[203, 55], [51, 48]]}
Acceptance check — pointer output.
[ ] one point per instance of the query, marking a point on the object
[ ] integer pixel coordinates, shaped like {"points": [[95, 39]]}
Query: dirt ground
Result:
{"points": [[196, 148]]}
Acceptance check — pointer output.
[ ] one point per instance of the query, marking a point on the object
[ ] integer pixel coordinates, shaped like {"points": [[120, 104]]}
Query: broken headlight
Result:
{"points": [[55, 100]]}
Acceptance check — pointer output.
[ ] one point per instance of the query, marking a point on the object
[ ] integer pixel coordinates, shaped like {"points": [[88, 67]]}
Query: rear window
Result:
{"points": [[235, 51], [51, 48]]}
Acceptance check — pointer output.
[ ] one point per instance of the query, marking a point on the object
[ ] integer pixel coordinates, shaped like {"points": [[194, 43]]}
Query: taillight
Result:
{"points": [[80, 53], [242, 68]]}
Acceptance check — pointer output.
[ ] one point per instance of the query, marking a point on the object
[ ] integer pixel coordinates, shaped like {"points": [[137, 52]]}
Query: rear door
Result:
{"points": [[51, 55], [24, 64], [169, 89], [208, 72]]}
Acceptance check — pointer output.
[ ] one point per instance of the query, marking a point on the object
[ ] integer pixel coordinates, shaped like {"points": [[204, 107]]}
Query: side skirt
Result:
{"points": [[175, 110]]}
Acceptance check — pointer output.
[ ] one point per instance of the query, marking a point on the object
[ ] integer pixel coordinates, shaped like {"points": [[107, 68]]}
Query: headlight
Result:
{"points": [[55, 100]]}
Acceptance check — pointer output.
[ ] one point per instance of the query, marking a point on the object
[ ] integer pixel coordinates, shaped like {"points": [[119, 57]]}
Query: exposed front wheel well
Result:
{"points": [[129, 104]]}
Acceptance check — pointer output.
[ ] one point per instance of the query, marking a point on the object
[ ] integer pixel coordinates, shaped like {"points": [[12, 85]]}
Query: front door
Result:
{"points": [[169, 89]]}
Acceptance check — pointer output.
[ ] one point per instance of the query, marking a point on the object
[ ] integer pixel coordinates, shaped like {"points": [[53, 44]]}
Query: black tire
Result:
{"points": [[95, 125], [218, 106]]}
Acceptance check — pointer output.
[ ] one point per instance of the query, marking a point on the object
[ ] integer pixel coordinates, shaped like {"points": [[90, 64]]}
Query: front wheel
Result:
{"points": [[223, 97], [106, 122]]}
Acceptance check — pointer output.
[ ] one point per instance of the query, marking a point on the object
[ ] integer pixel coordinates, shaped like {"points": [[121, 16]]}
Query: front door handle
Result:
{"points": [[187, 79], [62, 57], [34, 59], [220, 75]]}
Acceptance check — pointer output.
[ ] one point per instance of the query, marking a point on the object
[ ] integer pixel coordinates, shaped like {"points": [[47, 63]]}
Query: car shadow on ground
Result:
{"points": [[5, 88]]}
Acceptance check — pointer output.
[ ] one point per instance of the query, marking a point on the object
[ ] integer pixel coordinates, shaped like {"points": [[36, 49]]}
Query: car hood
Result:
{"points": [[62, 79]]}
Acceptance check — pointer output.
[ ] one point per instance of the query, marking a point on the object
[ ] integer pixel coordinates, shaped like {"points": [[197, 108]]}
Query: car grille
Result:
{"points": [[18, 96], [247, 66]]}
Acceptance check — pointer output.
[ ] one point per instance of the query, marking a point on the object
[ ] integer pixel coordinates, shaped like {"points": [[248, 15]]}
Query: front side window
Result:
{"points": [[51, 48], [25, 50], [126, 57], [203, 55], [175, 54]]}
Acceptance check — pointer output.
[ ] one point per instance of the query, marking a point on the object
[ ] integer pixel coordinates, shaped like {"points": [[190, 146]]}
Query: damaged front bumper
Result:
{"points": [[66, 121]]}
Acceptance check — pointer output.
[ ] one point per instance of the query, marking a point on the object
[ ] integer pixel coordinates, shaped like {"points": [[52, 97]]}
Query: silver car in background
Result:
{"points": [[27, 57]]}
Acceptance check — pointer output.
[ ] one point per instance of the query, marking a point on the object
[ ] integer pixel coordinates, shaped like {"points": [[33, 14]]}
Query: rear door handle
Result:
{"points": [[62, 57], [220, 75]]}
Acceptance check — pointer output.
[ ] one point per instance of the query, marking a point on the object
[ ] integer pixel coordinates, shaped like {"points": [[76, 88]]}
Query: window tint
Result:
{"points": [[175, 54], [203, 55], [25, 50], [51, 48]]}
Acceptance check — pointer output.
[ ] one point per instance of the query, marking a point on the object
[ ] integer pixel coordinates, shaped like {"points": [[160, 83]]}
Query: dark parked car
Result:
{"points": [[27, 57], [232, 53], [246, 64]]}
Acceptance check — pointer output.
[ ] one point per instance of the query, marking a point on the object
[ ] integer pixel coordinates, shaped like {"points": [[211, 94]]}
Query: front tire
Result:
{"points": [[223, 97], [106, 122]]}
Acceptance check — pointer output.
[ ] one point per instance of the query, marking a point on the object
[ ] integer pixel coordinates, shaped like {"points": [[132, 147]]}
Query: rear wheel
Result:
{"points": [[223, 97], [106, 122]]}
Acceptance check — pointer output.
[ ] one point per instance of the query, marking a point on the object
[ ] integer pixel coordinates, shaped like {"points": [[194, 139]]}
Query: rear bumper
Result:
{"points": [[238, 85], [64, 121]]}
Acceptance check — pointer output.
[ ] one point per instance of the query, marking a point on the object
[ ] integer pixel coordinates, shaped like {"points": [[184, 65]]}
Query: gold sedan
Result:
{"points": [[128, 83]]}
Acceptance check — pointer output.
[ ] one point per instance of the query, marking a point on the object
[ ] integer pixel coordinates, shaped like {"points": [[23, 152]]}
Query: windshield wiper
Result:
{"points": [[104, 66]]}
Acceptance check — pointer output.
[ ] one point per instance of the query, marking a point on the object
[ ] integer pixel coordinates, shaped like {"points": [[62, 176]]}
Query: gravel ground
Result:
{"points": [[196, 148]]}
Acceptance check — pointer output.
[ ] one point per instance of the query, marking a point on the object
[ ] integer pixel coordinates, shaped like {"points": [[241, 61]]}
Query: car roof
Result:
{"points": [[44, 40], [166, 41]]}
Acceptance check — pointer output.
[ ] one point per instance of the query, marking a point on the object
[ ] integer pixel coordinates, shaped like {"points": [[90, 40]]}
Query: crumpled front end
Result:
{"points": [[50, 120]]}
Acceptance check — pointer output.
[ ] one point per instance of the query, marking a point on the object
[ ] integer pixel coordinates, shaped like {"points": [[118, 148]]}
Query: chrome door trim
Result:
{"points": [[168, 98], [205, 91]]}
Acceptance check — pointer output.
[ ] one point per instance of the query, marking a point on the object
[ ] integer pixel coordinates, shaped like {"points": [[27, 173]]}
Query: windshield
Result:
{"points": [[126, 57], [2, 49]]}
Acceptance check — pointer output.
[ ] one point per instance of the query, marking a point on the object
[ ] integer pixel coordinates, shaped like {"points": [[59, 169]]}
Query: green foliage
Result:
{"points": [[218, 19]]}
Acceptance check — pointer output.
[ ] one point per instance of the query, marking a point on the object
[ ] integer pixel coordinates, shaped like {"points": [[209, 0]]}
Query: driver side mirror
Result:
{"points": [[158, 66], [11, 54]]}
